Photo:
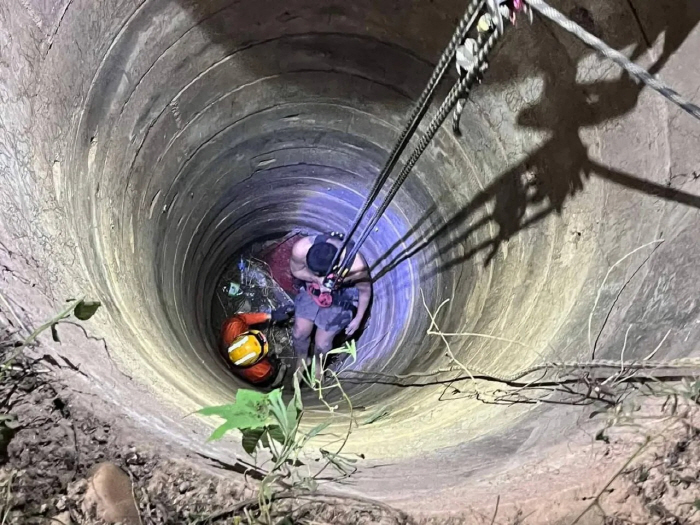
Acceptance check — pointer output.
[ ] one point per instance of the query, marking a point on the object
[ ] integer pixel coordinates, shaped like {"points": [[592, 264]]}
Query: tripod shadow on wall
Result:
{"points": [[542, 183]]}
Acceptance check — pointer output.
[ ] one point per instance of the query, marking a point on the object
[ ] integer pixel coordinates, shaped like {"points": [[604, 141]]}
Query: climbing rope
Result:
{"points": [[419, 109], [485, 44], [461, 89], [497, 12]]}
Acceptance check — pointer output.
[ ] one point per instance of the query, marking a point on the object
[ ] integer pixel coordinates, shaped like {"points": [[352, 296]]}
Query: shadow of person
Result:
{"points": [[548, 177], [559, 169]]}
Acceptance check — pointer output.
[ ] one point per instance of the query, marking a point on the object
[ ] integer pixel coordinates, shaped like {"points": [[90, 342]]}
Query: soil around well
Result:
{"points": [[54, 446]]}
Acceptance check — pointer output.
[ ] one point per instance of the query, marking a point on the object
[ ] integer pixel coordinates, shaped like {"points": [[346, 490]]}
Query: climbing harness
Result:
{"points": [[489, 18], [325, 299], [335, 297]]}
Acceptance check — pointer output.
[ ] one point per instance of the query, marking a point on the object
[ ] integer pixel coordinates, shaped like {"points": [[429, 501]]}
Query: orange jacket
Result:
{"points": [[235, 326]]}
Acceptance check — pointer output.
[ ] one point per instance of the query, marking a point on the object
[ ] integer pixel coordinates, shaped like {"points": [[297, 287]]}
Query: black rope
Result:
{"points": [[485, 43], [417, 114]]}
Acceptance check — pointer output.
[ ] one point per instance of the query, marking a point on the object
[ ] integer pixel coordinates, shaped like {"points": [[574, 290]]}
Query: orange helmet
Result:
{"points": [[248, 349]]}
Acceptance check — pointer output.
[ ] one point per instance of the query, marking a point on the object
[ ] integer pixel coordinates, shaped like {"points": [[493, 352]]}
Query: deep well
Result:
{"points": [[143, 142]]}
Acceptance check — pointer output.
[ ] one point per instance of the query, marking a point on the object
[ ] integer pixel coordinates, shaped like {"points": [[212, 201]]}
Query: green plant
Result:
{"points": [[81, 309], [266, 422]]}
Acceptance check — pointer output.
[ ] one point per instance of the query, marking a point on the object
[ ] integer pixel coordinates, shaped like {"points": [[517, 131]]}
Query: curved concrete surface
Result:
{"points": [[145, 141]]}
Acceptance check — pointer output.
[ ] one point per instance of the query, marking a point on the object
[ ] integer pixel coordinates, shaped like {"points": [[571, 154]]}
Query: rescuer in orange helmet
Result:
{"points": [[247, 349]]}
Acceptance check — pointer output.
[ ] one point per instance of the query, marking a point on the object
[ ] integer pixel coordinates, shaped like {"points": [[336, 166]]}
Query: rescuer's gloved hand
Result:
{"points": [[280, 314]]}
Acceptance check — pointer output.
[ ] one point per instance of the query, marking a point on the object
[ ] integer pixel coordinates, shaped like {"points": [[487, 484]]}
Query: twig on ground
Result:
{"points": [[653, 352], [685, 362], [138, 510], [8, 495], [495, 512], [36, 333], [14, 313], [622, 352]]}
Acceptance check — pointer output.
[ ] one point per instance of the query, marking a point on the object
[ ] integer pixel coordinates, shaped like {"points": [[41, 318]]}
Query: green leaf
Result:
{"points": [[220, 431], [297, 394], [266, 491], [250, 410], [696, 504], [307, 374], [84, 310], [292, 414], [312, 373], [251, 438], [349, 348], [279, 411], [54, 333], [273, 432]]}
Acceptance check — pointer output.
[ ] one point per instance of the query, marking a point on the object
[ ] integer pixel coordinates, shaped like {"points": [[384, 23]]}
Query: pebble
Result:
{"points": [[19, 499], [133, 459], [184, 487], [100, 436]]}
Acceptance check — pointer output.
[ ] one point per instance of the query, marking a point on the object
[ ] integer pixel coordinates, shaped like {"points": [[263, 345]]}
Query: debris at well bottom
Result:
{"points": [[247, 285]]}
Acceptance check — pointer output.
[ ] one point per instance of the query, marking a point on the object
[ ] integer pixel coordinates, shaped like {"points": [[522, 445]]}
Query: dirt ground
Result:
{"points": [[663, 487], [58, 443], [52, 443]]}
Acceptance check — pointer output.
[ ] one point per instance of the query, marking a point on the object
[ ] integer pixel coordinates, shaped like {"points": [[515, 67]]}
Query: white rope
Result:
{"points": [[621, 60]]}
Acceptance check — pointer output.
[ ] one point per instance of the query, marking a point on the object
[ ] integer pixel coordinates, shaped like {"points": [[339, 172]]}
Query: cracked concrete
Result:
{"points": [[142, 142]]}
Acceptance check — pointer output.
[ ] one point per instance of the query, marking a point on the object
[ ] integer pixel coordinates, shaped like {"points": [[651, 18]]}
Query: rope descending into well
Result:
{"points": [[417, 113], [611, 54], [499, 11], [486, 42], [460, 90]]}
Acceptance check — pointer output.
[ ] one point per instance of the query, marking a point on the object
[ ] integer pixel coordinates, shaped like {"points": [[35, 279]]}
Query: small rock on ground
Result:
{"points": [[110, 496]]}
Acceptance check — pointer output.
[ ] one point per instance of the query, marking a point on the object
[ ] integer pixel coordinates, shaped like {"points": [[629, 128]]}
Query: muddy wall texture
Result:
{"points": [[143, 141]]}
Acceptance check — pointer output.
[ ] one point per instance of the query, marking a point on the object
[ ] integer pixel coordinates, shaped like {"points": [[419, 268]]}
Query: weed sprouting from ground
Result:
{"points": [[269, 425]]}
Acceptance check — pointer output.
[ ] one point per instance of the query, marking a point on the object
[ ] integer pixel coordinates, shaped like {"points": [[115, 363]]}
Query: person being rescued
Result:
{"points": [[316, 307], [248, 350]]}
